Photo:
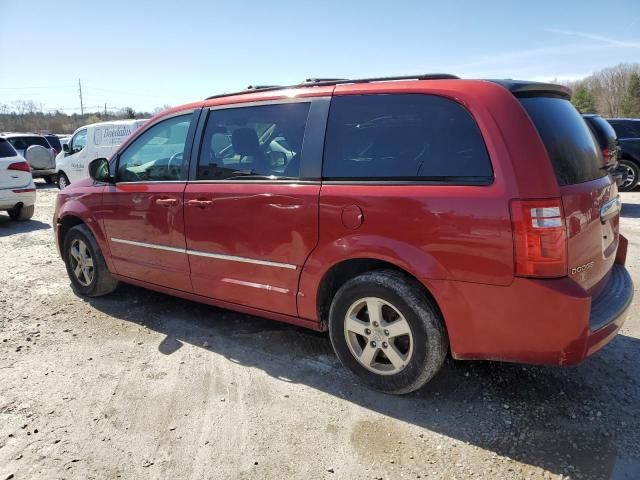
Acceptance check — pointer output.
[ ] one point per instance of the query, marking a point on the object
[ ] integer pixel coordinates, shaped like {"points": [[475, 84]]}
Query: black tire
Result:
{"points": [[430, 344], [632, 170], [51, 179], [62, 181], [102, 282], [21, 213]]}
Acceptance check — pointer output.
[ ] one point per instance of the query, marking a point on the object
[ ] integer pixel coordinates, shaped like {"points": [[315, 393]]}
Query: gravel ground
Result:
{"points": [[143, 385]]}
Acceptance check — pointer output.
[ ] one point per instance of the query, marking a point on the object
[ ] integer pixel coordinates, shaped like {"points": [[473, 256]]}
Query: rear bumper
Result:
{"points": [[45, 172], [532, 321], [26, 196], [608, 309]]}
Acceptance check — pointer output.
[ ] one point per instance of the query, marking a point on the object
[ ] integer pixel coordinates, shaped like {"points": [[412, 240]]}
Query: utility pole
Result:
{"points": [[105, 109], [80, 91]]}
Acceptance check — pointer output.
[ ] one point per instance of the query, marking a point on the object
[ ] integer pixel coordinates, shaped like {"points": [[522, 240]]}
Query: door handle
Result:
{"points": [[200, 203], [167, 202]]}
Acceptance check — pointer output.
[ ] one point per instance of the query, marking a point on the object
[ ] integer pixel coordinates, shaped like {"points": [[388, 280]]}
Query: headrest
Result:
{"points": [[245, 142]]}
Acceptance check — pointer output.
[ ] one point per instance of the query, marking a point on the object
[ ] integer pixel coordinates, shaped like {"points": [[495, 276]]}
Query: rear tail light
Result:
{"points": [[24, 166], [605, 154], [540, 239]]}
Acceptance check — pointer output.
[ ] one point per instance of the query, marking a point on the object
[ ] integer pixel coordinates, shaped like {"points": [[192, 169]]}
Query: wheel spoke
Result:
{"points": [[355, 325], [398, 328], [368, 354], [374, 308], [88, 262], [75, 253], [83, 249], [86, 273], [394, 356], [77, 271]]}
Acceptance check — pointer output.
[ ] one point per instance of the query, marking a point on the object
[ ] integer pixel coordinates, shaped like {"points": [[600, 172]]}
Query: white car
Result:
{"points": [[17, 190], [88, 143]]}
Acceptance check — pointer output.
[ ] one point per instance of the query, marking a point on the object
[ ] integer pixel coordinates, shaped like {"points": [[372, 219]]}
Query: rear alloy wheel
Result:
{"points": [[387, 331], [50, 179], [21, 213], [632, 175], [63, 181], [378, 336], [85, 264]]}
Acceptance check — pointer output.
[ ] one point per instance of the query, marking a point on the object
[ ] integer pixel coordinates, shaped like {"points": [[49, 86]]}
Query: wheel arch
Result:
{"points": [[341, 272], [76, 214]]}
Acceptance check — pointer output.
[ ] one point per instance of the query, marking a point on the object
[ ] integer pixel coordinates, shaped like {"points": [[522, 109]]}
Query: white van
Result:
{"points": [[88, 143]]}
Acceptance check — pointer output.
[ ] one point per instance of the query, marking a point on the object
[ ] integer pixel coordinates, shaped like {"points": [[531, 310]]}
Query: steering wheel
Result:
{"points": [[171, 159]]}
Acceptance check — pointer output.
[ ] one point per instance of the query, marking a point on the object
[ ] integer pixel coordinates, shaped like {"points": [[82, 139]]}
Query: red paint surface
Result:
{"points": [[456, 240]]}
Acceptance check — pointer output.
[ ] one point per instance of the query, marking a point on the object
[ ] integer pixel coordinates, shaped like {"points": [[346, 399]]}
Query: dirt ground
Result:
{"points": [[143, 385]]}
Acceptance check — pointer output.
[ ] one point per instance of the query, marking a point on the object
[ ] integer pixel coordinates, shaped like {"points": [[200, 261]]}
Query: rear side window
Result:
{"points": [[571, 147], [6, 150], [54, 142], [22, 143], [627, 129], [404, 137], [254, 143]]}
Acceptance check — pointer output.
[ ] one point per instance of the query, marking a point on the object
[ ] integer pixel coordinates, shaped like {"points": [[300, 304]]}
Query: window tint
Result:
{"points": [[22, 143], [6, 150], [604, 133], [404, 137], [627, 129], [54, 141], [569, 143], [78, 142], [157, 154], [253, 142]]}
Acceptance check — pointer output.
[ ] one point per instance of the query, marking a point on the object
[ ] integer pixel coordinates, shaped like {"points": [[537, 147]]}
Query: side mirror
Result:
{"points": [[99, 170], [65, 148]]}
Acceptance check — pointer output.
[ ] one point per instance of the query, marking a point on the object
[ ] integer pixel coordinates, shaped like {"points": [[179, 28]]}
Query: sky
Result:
{"points": [[147, 54]]}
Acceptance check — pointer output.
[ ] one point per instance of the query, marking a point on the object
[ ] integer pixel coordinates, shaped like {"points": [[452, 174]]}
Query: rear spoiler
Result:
{"points": [[521, 88]]}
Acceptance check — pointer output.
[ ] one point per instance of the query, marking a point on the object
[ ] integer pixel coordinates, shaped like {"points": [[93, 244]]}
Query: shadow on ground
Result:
{"points": [[11, 227], [571, 420]]}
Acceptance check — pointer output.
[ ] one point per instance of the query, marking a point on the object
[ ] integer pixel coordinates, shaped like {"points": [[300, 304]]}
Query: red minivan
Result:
{"points": [[408, 216]]}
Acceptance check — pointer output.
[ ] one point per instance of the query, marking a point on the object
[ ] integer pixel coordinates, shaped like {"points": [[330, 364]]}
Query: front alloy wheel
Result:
{"points": [[378, 336], [81, 262]]}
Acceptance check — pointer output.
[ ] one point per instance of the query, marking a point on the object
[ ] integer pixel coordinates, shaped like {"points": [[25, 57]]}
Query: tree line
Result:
{"points": [[27, 116], [611, 92]]}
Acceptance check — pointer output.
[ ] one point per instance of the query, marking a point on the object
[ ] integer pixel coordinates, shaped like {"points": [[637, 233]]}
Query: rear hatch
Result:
{"points": [[589, 196], [23, 142], [14, 178]]}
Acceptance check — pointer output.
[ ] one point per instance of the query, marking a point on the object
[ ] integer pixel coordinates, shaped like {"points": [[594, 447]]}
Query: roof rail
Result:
{"points": [[321, 82]]}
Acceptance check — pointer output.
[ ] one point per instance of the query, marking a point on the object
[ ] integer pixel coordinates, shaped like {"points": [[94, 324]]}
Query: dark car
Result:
{"points": [[54, 141], [607, 141], [410, 217], [628, 132]]}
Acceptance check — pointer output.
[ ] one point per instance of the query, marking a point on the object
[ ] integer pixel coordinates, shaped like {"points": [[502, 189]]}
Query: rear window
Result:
{"points": [[54, 141], [411, 137], [6, 150], [22, 143], [604, 133], [627, 129], [569, 143]]}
